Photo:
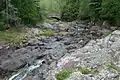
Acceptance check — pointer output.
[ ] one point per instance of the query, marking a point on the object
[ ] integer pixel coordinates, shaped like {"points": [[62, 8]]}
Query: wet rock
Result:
{"points": [[19, 59], [67, 43], [12, 65]]}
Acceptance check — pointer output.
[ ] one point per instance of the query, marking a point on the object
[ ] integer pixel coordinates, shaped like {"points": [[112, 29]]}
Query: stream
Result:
{"points": [[39, 56], [53, 50]]}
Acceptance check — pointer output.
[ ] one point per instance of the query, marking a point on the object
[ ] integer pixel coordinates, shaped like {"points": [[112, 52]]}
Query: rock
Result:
{"points": [[29, 78], [63, 27], [57, 50], [32, 78], [19, 59], [95, 55], [34, 32], [80, 48], [1, 47], [95, 28], [54, 16], [35, 42], [70, 47], [106, 25], [79, 76], [48, 26], [36, 77], [12, 65], [67, 43]]}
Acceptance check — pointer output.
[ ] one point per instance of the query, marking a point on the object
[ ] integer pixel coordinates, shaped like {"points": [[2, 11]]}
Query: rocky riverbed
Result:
{"points": [[72, 45]]}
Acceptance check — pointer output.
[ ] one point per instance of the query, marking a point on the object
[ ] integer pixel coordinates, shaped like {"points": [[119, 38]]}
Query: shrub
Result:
{"points": [[62, 75], [84, 10], [70, 10], [29, 10], [95, 10], [111, 11]]}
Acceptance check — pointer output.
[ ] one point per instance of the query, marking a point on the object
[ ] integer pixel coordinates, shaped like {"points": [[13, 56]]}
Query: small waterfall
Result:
{"points": [[24, 73]]}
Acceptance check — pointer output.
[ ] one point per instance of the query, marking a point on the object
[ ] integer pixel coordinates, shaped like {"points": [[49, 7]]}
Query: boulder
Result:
{"points": [[96, 55], [12, 65], [48, 26]]}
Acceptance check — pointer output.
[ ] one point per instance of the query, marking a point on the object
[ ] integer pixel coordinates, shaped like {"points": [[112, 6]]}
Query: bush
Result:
{"points": [[111, 11], [8, 14], [15, 12], [62, 75], [1, 22], [70, 10], [84, 10], [95, 10], [29, 10]]}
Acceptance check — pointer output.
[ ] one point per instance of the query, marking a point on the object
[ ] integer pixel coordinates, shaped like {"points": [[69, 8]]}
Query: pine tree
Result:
{"points": [[95, 8]]}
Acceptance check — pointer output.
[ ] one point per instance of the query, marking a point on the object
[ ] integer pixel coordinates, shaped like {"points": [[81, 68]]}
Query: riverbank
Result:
{"points": [[45, 48]]}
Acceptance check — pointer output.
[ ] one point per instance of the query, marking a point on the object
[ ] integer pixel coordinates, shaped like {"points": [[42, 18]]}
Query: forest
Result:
{"points": [[14, 12]]}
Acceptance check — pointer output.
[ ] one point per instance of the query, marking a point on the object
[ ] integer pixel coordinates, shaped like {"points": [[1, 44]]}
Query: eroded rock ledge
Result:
{"points": [[102, 55]]}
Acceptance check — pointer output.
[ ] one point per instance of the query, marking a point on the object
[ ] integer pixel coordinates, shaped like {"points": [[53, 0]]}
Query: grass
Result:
{"points": [[13, 35], [113, 66], [87, 71], [62, 75], [46, 32]]}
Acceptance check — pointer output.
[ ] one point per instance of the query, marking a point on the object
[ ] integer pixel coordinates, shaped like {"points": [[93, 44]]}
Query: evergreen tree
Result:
{"points": [[95, 8]]}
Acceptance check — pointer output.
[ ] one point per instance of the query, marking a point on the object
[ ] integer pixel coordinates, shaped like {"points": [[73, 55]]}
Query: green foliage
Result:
{"points": [[29, 10], [113, 66], [85, 71], [2, 5], [81, 9], [95, 10], [62, 75], [75, 9], [70, 10], [15, 12], [95, 7], [13, 35], [111, 11], [7, 14], [46, 32], [51, 6], [1, 22], [84, 10]]}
